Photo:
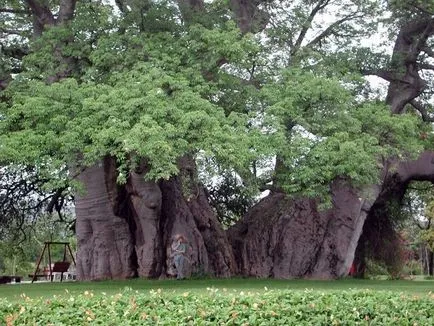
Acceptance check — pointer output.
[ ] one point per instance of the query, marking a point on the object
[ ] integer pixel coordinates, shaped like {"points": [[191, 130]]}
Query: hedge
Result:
{"points": [[221, 307]]}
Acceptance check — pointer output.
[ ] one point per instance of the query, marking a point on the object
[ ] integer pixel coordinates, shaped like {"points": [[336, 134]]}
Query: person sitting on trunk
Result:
{"points": [[179, 254]]}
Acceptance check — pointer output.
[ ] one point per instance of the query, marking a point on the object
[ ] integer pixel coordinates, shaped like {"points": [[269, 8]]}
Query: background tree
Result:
{"points": [[19, 255], [427, 237]]}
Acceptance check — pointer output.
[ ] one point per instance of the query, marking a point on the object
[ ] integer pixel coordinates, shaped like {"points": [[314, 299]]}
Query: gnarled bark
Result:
{"points": [[285, 238], [186, 210], [105, 246], [143, 210], [379, 235], [126, 230], [405, 81]]}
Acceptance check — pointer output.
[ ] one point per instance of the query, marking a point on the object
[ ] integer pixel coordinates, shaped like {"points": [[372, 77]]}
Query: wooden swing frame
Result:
{"points": [[60, 267]]}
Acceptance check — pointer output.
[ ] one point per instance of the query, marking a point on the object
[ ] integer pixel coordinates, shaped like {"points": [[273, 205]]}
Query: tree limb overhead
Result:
{"points": [[422, 110]]}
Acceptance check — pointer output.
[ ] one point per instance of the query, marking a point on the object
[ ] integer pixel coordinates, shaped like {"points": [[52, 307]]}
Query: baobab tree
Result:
{"points": [[127, 104]]}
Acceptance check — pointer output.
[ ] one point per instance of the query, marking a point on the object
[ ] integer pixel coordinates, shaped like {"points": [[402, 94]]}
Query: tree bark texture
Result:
{"points": [[126, 230], [430, 257], [105, 246], [248, 15], [405, 83], [287, 238]]}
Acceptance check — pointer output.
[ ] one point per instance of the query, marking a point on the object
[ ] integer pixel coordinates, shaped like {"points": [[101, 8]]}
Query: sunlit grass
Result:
{"points": [[13, 291]]}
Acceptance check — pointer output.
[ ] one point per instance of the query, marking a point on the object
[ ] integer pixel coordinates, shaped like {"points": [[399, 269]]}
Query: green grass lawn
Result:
{"points": [[13, 291]]}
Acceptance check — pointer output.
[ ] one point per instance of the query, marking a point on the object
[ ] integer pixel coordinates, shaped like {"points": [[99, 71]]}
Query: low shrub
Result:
{"points": [[412, 267], [221, 307]]}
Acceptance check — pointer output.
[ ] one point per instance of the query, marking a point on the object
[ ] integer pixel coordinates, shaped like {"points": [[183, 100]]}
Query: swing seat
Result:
{"points": [[53, 270], [40, 273], [37, 275], [61, 266]]}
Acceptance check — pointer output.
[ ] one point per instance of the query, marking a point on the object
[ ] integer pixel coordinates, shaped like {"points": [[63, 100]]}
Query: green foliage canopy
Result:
{"points": [[152, 102], [146, 89]]}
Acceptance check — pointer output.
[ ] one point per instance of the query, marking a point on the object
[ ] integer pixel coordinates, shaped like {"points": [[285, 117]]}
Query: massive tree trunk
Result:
{"points": [[192, 216], [147, 215], [126, 230], [141, 207], [105, 246], [285, 238], [379, 234]]}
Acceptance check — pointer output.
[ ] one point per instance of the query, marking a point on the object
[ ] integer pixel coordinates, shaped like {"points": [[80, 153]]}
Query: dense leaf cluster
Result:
{"points": [[155, 83], [327, 133], [144, 96]]}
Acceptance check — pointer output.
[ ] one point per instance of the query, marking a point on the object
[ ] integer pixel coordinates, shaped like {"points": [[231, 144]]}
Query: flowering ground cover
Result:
{"points": [[219, 302]]}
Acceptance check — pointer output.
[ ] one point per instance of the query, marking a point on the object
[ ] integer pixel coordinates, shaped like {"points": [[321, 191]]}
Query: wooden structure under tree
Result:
{"points": [[58, 267]]}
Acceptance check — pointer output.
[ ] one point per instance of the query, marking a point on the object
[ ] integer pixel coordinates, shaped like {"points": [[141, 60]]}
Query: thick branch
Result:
{"points": [[384, 74], [329, 30], [421, 169], [422, 110], [425, 66], [121, 5], [41, 12], [421, 41], [190, 8], [320, 5], [42, 16], [66, 11], [428, 51], [248, 15], [54, 199], [411, 40]]}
